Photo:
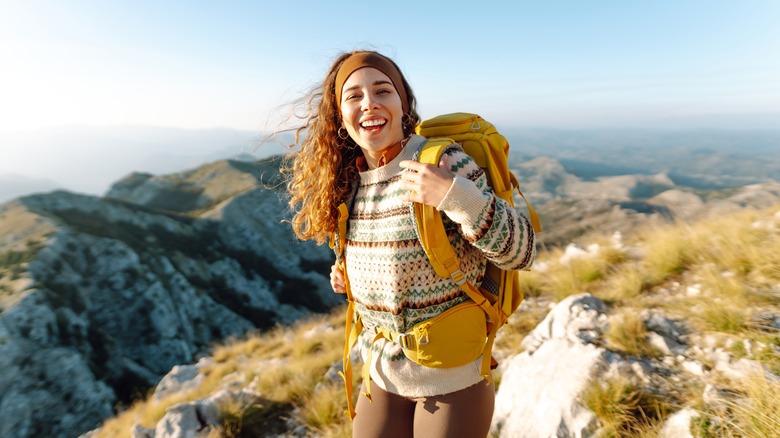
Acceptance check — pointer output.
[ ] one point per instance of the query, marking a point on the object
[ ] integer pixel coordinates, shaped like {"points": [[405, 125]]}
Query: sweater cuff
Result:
{"points": [[464, 202]]}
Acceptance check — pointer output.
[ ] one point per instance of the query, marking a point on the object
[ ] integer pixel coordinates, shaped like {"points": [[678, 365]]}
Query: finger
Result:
{"points": [[412, 165], [410, 177], [411, 186], [338, 286], [412, 197], [337, 282]]}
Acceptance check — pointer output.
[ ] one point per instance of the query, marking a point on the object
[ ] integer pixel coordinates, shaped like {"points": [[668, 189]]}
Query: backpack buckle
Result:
{"points": [[406, 340], [458, 277]]}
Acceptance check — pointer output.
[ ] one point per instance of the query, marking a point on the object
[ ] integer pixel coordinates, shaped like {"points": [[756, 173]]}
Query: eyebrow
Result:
{"points": [[379, 82]]}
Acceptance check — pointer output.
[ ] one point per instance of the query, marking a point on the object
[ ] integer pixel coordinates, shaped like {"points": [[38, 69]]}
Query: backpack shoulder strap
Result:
{"points": [[429, 224], [353, 322], [434, 238]]}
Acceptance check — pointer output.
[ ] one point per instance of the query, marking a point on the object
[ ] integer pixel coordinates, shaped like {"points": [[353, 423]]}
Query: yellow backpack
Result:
{"points": [[466, 331]]}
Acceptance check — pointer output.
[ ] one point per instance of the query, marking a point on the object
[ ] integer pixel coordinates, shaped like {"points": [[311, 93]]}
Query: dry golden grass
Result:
{"points": [[518, 326], [287, 364], [531, 283], [624, 285], [583, 274], [623, 410], [627, 334], [753, 414], [668, 252], [324, 409], [756, 415]]}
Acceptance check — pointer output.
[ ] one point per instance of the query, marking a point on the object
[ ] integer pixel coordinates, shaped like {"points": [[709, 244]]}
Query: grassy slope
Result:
{"points": [[720, 277]]}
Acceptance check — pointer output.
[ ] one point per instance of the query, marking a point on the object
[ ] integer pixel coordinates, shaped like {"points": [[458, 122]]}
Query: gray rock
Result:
{"points": [[694, 367], [181, 421], [740, 369], [539, 392], [180, 378], [678, 425], [578, 318], [199, 418], [138, 431]]}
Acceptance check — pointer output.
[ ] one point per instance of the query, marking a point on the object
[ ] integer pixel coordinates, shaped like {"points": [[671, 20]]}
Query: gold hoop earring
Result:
{"points": [[345, 134]]}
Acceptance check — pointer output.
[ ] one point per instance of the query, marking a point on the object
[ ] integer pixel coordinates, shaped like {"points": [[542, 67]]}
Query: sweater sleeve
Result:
{"points": [[504, 235]]}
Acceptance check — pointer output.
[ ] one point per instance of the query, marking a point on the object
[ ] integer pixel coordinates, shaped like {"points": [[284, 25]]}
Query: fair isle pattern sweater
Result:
{"points": [[392, 281]]}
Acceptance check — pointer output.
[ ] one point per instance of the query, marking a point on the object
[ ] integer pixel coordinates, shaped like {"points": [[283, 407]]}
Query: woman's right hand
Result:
{"points": [[337, 280]]}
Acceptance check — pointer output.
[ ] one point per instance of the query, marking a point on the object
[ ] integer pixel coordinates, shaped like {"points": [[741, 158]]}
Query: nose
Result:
{"points": [[368, 102]]}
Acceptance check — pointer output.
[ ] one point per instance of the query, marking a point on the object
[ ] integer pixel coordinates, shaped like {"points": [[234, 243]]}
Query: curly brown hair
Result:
{"points": [[322, 170]]}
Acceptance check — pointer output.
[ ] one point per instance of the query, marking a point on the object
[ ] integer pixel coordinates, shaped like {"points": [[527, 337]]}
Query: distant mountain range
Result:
{"points": [[13, 185], [571, 205], [88, 160]]}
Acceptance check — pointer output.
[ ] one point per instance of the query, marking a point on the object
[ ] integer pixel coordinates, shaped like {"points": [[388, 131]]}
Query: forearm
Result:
{"points": [[505, 236]]}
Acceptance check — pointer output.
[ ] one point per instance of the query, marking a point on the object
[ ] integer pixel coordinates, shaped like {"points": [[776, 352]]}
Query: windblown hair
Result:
{"points": [[322, 170]]}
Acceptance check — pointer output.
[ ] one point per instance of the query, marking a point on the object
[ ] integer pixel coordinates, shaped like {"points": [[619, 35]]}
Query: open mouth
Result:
{"points": [[373, 125]]}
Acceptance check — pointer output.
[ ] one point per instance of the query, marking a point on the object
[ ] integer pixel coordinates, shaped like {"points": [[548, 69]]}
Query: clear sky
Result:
{"points": [[206, 64]]}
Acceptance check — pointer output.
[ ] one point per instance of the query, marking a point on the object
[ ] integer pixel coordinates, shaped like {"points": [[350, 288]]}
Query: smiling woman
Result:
{"points": [[372, 113], [353, 180]]}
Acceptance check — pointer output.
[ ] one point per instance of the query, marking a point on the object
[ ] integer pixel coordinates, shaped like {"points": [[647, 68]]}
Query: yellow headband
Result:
{"points": [[360, 60]]}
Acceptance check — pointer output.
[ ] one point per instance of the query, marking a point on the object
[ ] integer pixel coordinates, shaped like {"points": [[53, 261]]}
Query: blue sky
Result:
{"points": [[562, 64]]}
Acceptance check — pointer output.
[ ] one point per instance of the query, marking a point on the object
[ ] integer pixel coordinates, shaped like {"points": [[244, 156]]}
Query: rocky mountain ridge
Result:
{"points": [[102, 296]]}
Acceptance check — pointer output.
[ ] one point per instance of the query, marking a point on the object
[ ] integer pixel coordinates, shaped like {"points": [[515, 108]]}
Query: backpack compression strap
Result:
{"points": [[531, 212]]}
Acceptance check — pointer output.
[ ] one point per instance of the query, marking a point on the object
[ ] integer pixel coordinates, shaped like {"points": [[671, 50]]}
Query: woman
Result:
{"points": [[360, 149]]}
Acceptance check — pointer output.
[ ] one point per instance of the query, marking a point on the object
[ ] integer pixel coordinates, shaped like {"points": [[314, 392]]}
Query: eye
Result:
{"points": [[352, 96]]}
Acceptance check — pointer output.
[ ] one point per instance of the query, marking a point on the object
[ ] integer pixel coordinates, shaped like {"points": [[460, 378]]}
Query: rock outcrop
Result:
{"points": [[542, 389], [102, 296], [539, 387]]}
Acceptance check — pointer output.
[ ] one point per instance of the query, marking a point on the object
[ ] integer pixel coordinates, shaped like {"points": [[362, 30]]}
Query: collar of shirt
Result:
{"points": [[387, 156]]}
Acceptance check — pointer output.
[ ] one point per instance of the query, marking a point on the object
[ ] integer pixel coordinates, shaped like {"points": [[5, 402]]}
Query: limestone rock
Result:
{"points": [[180, 378], [678, 425], [181, 421], [578, 318], [539, 392]]}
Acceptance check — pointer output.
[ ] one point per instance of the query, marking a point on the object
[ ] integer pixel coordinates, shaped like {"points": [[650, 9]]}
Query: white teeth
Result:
{"points": [[375, 122]]}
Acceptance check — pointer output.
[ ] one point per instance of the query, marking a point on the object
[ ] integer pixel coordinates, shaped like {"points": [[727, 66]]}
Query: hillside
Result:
{"points": [[671, 331], [575, 206], [100, 297]]}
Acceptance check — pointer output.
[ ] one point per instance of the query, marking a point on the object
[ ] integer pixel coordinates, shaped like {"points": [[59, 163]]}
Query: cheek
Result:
{"points": [[346, 117]]}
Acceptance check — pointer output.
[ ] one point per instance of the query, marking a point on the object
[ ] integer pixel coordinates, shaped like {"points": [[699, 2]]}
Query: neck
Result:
{"points": [[386, 155]]}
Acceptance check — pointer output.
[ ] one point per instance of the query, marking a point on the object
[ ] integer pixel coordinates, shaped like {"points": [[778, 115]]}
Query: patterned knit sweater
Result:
{"points": [[395, 286]]}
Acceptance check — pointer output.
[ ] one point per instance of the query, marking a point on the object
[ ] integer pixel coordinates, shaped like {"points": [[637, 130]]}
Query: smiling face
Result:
{"points": [[371, 112]]}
